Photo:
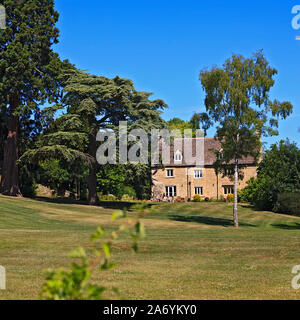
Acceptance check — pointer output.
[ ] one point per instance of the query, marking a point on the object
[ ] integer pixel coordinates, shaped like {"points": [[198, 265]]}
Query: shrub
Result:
{"points": [[108, 197], [230, 197], [29, 191], [100, 195], [259, 193], [28, 186], [126, 197], [248, 194], [84, 195], [197, 198], [129, 192], [278, 175], [289, 203], [240, 196]]}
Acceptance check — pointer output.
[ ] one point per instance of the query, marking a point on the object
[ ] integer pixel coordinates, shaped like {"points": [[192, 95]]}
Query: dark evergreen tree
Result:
{"points": [[28, 76], [94, 103]]}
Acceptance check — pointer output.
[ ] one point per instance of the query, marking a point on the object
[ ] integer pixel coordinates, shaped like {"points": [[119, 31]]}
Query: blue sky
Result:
{"points": [[163, 45]]}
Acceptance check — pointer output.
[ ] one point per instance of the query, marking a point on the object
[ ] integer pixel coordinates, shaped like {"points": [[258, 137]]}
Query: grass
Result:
{"points": [[191, 250]]}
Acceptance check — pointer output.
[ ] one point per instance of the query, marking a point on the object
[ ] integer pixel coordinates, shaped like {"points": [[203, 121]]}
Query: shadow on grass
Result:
{"points": [[251, 207], [296, 226], [117, 205], [208, 221], [60, 200]]}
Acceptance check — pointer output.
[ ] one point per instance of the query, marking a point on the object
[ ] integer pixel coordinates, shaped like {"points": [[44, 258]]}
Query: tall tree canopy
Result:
{"points": [[94, 103], [104, 103], [237, 100], [197, 121], [28, 75]]}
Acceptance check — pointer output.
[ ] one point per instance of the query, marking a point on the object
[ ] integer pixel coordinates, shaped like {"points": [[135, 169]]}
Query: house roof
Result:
{"points": [[206, 147]]}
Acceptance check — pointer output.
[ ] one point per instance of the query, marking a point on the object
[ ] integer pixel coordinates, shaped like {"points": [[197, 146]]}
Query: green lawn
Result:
{"points": [[191, 250]]}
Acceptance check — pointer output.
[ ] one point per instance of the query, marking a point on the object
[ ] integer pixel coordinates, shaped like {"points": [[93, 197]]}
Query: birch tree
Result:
{"points": [[237, 100]]}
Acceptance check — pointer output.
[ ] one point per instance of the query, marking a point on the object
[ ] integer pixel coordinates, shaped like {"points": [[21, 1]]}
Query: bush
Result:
{"points": [[289, 203], [248, 194], [230, 197], [84, 195], [108, 197], [126, 197], [259, 193], [129, 192], [197, 198], [29, 191], [278, 175], [28, 186], [240, 196]]}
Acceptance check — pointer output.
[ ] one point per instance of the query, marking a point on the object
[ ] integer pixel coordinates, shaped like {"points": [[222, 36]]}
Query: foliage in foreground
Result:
{"points": [[76, 284]]}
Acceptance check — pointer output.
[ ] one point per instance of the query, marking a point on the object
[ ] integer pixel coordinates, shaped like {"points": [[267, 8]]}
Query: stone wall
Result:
{"points": [[185, 181]]}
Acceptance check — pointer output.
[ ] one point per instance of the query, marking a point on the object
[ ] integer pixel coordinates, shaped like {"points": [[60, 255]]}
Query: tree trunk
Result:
{"points": [[92, 179], [235, 205], [92, 185], [217, 185], [10, 173], [79, 190]]}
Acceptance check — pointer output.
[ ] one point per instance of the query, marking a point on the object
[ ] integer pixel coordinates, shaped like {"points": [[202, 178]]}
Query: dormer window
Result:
{"points": [[220, 155], [178, 156]]}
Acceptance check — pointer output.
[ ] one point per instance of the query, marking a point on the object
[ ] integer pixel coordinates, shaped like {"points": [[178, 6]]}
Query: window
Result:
{"points": [[199, 190], [171, 191], [170, 173], [198, 174], [228, 172], [178, 156], [228, 189]]}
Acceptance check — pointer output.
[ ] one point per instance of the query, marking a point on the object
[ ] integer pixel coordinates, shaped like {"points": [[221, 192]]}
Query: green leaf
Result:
{"points": [[107, 265], [100, 232], [106, 249], [135, 246], [78, 253], [118, 215]]}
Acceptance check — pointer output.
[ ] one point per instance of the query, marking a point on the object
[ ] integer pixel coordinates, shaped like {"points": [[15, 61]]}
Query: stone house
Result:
{"points": [[178, 178]]}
